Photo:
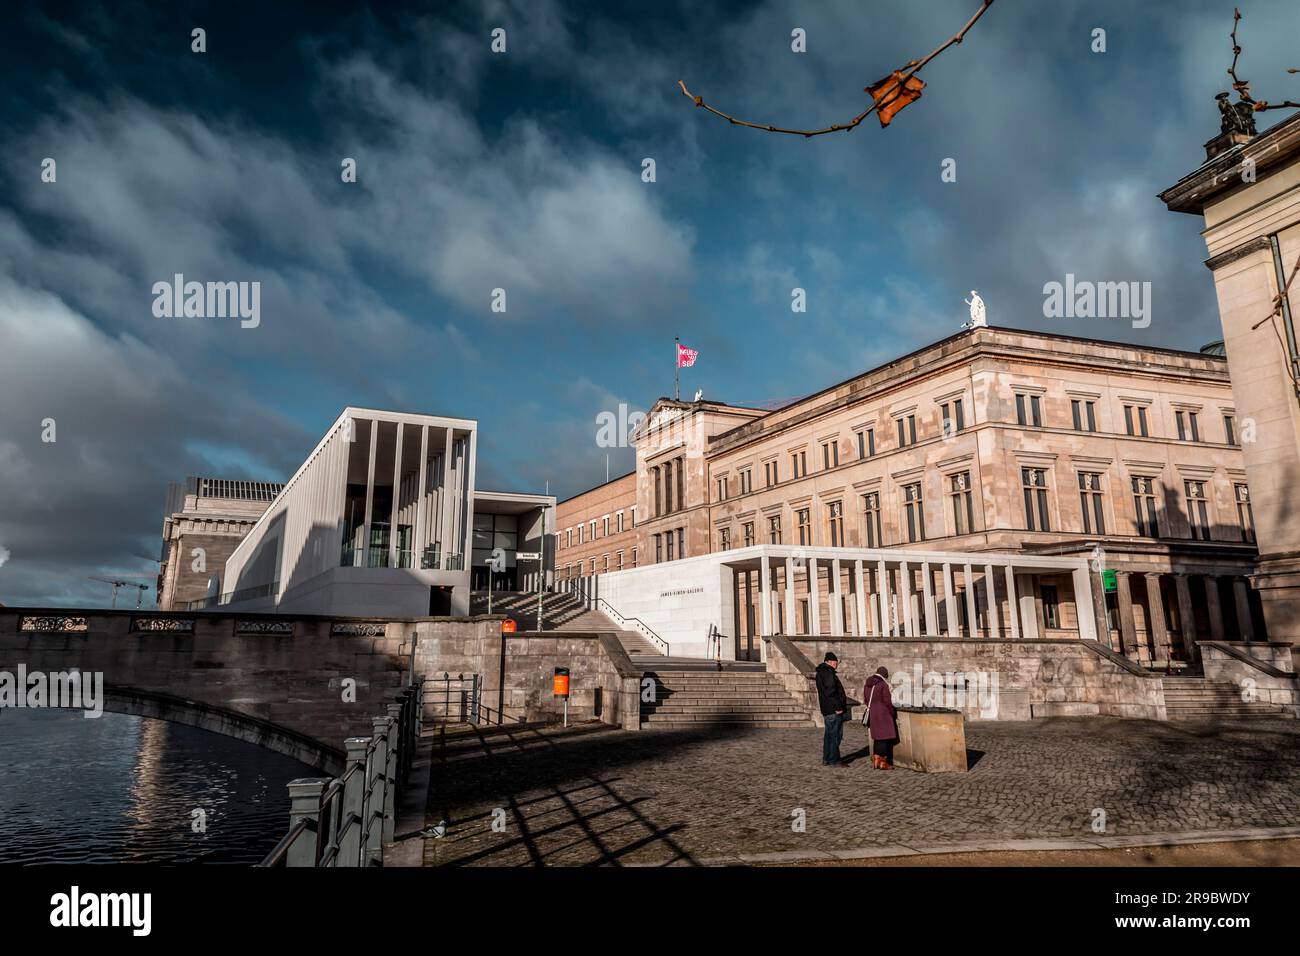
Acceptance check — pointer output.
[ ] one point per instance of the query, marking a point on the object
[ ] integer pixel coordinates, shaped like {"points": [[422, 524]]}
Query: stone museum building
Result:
{"points": [[1066, 452], [203, 521], [1248, 194]]}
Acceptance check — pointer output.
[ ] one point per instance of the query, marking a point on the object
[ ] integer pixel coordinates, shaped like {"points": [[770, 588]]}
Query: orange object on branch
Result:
{"points": [[893, 93]]}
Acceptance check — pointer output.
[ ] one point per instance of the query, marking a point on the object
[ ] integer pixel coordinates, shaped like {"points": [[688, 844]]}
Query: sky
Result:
{"points": [[524, 171]]}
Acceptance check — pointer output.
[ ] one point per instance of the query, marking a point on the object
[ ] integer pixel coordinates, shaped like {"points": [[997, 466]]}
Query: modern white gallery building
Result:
{"points": [[383, 517]]}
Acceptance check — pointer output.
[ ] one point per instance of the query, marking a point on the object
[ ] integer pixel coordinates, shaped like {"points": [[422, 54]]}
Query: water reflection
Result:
{"points": [[125, 789]]}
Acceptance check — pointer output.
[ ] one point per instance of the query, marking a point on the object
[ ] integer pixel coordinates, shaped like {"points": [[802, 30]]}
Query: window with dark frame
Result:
{"points": [[1034, 486], [963, 508], [1091, 503]]}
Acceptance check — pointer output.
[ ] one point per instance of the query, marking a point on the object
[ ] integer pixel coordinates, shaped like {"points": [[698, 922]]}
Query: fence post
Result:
{"points": [[376, 785], [354, 803], [395, 755], [478, 688], [304, 804]]}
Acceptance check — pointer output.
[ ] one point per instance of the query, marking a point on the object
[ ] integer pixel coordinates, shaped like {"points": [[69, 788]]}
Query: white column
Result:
{"points": [[790, 628], [471, 465], [905, 599], [991, 594], [393, 512], [420, 539], [873, 602], [1028, 608], [765, 616], [1084, 607], [972, 614], [836, 599], [950, 600], [1012, 615], [370, 494], [861, 599], [887, 624], [814, 599], [927, 592]]}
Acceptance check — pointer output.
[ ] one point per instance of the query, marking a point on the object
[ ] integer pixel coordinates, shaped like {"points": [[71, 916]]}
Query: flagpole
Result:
{"points": [[677, 369]]}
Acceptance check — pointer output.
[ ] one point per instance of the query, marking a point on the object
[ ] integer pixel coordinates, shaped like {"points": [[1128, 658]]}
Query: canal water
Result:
{"points": [[120, 789]]}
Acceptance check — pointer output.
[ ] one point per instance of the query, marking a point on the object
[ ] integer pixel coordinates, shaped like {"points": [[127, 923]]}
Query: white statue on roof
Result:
{"points": [[977, 319]]}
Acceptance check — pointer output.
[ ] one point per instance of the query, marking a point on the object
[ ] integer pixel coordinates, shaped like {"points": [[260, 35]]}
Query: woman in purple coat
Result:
{"points": [[880, 719]]}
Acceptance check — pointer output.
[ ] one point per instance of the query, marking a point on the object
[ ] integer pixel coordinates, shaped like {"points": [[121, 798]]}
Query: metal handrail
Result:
{"points": [[613, 612]]}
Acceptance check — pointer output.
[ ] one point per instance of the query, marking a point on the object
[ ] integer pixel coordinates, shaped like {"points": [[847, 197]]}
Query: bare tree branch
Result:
{"points": [[1243, 86], [897, 86]]}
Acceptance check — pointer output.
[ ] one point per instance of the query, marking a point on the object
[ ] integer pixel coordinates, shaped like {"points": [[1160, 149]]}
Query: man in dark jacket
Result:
{"points": [[834, 705]]}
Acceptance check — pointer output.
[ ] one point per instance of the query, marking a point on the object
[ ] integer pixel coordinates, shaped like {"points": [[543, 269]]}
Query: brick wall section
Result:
{"points": [[1043, 678]]}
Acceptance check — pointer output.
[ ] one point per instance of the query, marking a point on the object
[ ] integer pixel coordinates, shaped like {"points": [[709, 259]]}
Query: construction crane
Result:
{"points": [[140, 589]]}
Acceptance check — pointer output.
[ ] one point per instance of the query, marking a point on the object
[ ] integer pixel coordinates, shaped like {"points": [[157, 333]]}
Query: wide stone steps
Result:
{"points": [[1197, 698], [738, 699], [562, 612]]}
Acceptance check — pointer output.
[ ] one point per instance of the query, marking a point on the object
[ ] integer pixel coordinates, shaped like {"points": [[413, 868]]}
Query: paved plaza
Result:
{"points": [[599, 796]]}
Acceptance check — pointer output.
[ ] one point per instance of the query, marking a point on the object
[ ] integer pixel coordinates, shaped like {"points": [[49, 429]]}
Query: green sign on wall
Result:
{"points": [[1108, 582]]}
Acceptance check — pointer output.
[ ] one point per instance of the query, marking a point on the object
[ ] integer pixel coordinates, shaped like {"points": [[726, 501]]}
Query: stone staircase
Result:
{"points": [[1197, 698], [696, 695], [561, 612]]}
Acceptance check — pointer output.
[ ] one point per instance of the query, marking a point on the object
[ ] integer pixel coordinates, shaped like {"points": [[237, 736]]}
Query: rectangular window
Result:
{"points": [[867, 443], [1034, 486], [954, 416], [1051, 607], [593, 565], [681, 483], [604, 527], [634, 557], [618, 522], [830, 455], [769, 472], [1090, 503], [591, 529], [1187, 425], [963, 508], [668, 487], [805, 529], [580, 534], [1245, 517], [659, 548], [835, 516], [681, 542], [669, 536], [605, 566], [568, 543], [799, 463], [1230, 429], [1084, 414], [1198, 509], [1029, 410], [746, 481], [1144, 507], [774, 529], [747, 532], [722, 488], [906, 431], [658, 491], [871, 519], [1135, 420], [724, 539], [620, 560], [914, 512]]}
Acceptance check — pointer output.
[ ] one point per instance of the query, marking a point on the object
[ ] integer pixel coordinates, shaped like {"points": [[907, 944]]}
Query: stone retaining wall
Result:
{"points": [[1034, 678]]}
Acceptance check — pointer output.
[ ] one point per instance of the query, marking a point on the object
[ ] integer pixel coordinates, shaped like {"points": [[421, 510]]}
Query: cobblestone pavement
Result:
{"points": [[595, 795]]}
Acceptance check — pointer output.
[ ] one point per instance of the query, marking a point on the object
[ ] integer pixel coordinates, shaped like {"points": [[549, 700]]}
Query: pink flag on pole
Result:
{"points": [[686, 357]]}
